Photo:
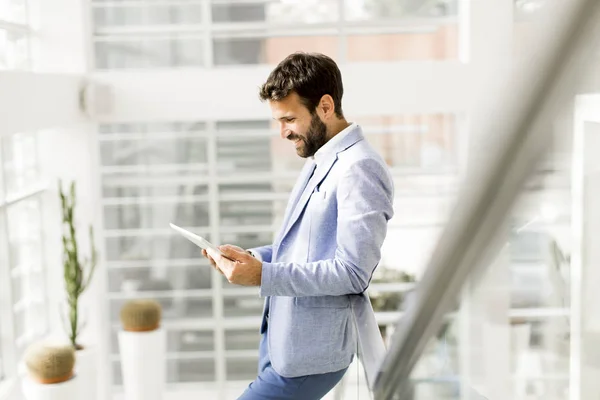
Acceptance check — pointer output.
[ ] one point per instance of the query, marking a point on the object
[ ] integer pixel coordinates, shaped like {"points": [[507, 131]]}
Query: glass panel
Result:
{"points": [[154, 151], [229, 127], [369, 10], [179, 341], [6, 336], [247, 339], [242, 369], [537, 266], [415, 141], [13, 11], [277, 12], [152, 127], [513, 321], [190, 371], [155, 216], [243, 154], [240, 213], [539, 362], [30, 321], [269, 50], [149, 53], [261, 188], [20, 162], [27, 287], [190, 341], [162, 277], [169, 246], [439, 44], [172, 308], [156, 193], [437, 375], [178, 371], [14, 50], [144, 15], [24, 230]]}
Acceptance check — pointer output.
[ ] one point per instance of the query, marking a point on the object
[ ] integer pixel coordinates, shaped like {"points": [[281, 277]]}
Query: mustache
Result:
{"points": [[294, 137]]}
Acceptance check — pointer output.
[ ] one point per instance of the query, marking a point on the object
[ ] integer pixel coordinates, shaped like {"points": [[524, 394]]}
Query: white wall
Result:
{"points": [[49, 96], [30, 101]]}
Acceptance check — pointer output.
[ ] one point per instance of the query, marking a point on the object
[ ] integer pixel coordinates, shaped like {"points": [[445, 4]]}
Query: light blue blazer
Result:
{"points": [[323, 258]]}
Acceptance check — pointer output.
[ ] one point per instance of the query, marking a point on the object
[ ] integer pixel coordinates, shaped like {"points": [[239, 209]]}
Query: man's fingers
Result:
{"points": [[212, 261], [233, 252], [205, 254]]}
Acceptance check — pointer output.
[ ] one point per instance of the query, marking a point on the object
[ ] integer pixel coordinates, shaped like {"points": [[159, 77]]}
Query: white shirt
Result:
{"points": [[326, 148], [322, 152]]}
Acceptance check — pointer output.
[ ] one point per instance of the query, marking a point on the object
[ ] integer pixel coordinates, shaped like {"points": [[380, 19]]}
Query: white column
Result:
{"points": [[484, 335], [585, 326], [484, 332]]}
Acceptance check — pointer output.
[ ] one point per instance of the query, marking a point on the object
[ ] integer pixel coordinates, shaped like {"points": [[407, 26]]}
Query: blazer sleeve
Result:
{"points": [[263, 253], [365, 205]]}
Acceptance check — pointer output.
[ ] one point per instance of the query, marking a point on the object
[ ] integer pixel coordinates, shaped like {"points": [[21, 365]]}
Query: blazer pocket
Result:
{"points": [[317, 198], [323, 301]]}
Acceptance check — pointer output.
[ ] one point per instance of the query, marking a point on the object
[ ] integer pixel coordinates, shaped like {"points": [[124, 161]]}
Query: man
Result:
{"points": [[330, 242]]}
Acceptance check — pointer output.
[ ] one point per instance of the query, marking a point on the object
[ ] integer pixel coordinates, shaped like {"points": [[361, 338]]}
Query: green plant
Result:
{"points": [[389, 300], [77, 274]]}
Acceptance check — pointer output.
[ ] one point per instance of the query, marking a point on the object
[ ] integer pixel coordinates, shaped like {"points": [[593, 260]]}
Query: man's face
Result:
{"points": [[297, 124]]}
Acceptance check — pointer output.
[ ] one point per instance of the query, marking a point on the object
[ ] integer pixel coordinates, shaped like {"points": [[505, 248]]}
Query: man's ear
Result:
{"points": [[326, 107]]}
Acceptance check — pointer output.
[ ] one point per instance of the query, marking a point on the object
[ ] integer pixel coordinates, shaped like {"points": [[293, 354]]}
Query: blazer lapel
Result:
{"points": [[303, 179], [322, 170], [320, 174]]}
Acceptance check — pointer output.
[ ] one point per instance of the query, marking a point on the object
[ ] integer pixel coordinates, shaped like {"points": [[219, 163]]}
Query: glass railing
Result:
{"points": [[498, 312]]}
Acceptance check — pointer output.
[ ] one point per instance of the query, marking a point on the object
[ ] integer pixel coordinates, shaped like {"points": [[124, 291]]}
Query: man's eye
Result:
{"points": [[290, 119]]}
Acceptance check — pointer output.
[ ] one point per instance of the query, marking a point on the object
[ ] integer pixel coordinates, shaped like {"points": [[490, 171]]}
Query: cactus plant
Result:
{"points": [[77, 273], [50, 364], [140, 315]]}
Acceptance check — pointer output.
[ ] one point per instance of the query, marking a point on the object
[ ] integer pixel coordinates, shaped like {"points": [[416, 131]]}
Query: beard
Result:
{"points": [[315, 137]]}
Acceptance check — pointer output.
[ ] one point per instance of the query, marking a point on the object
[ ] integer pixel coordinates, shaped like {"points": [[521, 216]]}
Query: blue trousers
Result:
{"points": [[269, 385]]}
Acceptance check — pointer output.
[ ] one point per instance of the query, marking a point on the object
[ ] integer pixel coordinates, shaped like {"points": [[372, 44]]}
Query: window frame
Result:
{"points": [[12, 346]]}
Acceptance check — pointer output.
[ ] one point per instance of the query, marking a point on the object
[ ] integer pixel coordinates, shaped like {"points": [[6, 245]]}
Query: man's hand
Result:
{"points": [[212, 261], [238, 266]]}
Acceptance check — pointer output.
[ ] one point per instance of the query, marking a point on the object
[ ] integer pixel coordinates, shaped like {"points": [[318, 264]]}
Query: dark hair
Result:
{"points": [[310, 75]]}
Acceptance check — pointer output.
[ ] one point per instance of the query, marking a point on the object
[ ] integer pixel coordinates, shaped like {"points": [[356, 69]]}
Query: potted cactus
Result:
{"points": [[78, 274], [50, 372], [142, 345]]}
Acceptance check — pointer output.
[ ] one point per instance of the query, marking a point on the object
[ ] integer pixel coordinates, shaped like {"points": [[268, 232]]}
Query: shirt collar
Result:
{"points": [[327, 147]]}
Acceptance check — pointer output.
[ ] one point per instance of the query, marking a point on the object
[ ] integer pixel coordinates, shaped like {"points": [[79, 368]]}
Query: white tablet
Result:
{"points": [[197, 240]]}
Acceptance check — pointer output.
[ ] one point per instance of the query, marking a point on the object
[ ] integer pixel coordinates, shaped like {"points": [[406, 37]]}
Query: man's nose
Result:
{"points": [[283, 131]]}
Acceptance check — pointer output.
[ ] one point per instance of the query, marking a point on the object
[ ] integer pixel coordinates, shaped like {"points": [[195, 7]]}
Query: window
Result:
{"points": [[193, 174], [23, 313], [14, 35], [230, 181], [210, 33], [23, 305]]}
